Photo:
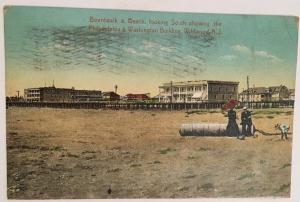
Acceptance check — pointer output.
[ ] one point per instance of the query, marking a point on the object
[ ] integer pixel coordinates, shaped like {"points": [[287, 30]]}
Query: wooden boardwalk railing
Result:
{"points": [[150, 106]]}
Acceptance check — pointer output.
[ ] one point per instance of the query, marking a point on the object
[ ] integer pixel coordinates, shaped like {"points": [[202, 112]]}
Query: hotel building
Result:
{"points": [[198, 91]]}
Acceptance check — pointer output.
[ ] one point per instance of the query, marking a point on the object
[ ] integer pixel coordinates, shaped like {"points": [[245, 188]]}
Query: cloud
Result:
{"points": [[45, 49], [241, 48], [149, 44], [228, 57], [166, 49], [134, 52], [191, 58], [267, 55], [130, 50], [96, 56], [149, 55], [261, 53], [153, 45]]}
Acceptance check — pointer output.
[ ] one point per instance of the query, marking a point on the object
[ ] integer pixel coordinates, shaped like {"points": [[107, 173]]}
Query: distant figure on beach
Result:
{"points": [[284, 129], [246, 122], [232, 128]]}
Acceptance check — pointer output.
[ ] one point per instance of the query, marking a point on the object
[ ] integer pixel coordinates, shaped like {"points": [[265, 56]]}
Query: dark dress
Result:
{"points": [[246, 123], [232, 128]]}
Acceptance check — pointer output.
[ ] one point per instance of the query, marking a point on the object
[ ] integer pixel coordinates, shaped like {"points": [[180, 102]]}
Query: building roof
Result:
{"points": [[292, 91], [110, 93], [155, 97], [276, 89], [256, 90], [62, 89], [263, 90], [197, 82], [223, 82], [138, 96]]}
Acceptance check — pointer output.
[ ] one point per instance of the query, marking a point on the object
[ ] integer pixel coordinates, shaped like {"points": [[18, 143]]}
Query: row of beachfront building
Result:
{"points": [[175, 92], [210, 90]]}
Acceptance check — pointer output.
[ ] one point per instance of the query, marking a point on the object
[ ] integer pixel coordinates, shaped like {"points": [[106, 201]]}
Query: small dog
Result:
{"points": [[284, 128]]}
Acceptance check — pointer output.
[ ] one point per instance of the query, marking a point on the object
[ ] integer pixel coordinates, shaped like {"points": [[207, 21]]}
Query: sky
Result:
{"points": [[62, 44]]}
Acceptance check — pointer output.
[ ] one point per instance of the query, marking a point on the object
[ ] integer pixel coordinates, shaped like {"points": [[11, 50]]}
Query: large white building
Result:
{"points": [[198, 91], [53, 94], [32, 94]]}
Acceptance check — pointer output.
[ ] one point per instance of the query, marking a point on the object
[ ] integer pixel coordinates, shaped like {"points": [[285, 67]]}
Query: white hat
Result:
{"points": [[244, 108]]}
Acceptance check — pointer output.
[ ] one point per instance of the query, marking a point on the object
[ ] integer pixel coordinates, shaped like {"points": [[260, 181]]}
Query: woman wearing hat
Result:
{"points": [[232, 128]]}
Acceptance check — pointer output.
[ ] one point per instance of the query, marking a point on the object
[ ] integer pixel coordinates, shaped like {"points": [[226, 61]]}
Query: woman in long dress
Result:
{"points": [[232, 128]]}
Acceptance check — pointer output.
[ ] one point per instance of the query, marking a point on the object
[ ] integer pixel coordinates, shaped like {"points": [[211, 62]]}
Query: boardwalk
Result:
{"points": [[149, 106]]}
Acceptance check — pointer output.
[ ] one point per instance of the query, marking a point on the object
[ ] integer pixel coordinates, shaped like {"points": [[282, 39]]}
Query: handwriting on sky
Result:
{"points": [[124, 45], [153, 25]]}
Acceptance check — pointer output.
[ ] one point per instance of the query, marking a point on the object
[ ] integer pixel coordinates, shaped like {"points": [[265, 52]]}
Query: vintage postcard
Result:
{"points": [[141, 104]]}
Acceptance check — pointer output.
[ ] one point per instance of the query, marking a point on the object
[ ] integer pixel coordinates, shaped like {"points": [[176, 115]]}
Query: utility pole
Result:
{"points": [[171, 100], [116, 88], [18, 95], [248, 96]]}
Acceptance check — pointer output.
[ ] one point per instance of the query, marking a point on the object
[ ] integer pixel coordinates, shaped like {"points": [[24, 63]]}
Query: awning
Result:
{"points": [[198, 95]]}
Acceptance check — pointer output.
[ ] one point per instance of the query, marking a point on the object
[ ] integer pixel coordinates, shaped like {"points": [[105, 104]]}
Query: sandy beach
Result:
{"points": [[83, 153]]}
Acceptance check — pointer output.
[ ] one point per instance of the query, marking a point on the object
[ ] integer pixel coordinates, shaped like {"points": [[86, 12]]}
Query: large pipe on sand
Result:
{"points": [[207, 129]]}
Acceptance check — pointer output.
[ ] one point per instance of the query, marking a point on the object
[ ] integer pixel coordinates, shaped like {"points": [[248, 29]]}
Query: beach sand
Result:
{"points": [[81, 153]]}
